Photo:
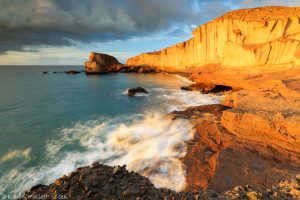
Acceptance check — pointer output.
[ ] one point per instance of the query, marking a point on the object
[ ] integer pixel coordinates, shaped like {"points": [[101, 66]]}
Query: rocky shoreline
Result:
{"points": [[219, 160], [254, 54], [104, 182], [212, 161], [250, 138]]}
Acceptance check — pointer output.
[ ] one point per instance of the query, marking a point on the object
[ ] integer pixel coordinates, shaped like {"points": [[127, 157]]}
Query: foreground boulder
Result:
{"points": [[104, 182], [133, 91], [100, 63]]}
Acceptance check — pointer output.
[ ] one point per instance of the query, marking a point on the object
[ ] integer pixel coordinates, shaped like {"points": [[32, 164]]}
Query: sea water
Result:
{"points": [[52, 123]]}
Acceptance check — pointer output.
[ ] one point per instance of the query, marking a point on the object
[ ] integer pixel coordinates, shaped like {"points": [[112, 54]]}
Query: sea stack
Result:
{"points": [[100, 63]]}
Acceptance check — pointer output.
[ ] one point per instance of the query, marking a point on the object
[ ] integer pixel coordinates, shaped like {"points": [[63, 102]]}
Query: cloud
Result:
{"points": [[29, 25], [61, 22]]}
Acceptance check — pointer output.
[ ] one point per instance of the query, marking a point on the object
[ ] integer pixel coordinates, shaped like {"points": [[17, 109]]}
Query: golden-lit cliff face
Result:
{"points": [[241, 38]]}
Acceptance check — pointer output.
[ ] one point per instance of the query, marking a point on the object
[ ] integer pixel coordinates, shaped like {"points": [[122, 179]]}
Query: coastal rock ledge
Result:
{"points": [[104, 182]]}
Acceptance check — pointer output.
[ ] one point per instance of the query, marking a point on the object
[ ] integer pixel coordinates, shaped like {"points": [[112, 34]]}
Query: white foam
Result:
{"points": [[183, 79], [17, 153], [179, 99], [151, 146], [147, 143]]}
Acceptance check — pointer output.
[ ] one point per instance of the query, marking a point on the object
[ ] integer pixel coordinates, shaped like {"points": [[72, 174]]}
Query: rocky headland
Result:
{"points": [[251, 138], [241, 38], [100, 63], [254, 137]]}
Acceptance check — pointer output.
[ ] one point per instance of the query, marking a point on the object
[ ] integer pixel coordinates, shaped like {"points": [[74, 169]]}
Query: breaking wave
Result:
{"points": [[147, 143]]}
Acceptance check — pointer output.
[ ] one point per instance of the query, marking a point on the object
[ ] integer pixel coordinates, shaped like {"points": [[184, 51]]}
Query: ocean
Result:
{"points": [[52, 123]]}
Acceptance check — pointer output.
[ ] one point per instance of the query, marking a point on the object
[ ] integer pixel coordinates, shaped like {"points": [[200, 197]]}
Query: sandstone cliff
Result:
{"points": [[241, 38]]}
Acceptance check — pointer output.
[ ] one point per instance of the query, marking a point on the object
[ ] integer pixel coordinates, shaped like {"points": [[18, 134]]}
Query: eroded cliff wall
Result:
{"points": [[242, 38]]}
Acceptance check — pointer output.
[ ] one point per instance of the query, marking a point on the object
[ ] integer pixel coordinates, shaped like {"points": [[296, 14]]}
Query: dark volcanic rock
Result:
{"points": [[131, 92], [206, 88], [104, 182], [139, 69], [73, 72], [61, 72]]}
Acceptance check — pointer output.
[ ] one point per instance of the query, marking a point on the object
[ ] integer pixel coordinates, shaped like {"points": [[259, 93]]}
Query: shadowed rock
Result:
{"points": [[73, 72], [104, 182], [207, 88], [133, 91]]}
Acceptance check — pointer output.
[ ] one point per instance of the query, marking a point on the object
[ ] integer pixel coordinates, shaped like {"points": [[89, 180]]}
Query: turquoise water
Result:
{"points": [[50, 124]]}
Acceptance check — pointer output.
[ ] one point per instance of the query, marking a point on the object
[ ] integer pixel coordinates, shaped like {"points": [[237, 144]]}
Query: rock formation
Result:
{"points": [[241, 38], [100, 63], [219, 160], [256, 52], [254, 136], [104, 182], [133, 91]]}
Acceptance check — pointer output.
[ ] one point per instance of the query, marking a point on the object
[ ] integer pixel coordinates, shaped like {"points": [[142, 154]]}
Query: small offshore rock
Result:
{"points": [[73, 72], [133, 91]]}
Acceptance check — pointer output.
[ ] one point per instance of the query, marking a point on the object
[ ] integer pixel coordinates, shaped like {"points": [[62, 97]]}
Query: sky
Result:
{"points": [[63, 32]]}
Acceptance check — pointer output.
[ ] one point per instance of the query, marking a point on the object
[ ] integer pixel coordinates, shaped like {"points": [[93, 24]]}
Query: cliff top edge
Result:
{"points": [[261, 13]]}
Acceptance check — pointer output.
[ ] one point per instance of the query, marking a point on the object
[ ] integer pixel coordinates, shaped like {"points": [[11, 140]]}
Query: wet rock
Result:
{"points": [[95, 164], [73, 72], [207, 88], [96, 185], [133, 91], [147, 70], [139, 69], [186, 88], [220, 88], [37, 187]]}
